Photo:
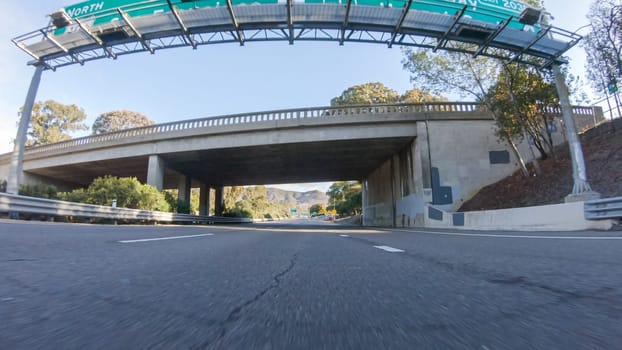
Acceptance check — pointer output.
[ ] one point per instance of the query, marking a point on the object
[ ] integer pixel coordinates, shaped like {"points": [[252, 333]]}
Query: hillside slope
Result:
{"points": [[602, 149], [300, 199]]}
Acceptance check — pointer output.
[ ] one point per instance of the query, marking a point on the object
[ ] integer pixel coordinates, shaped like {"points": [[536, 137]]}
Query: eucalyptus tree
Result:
{"points": [[603, 45], [119, 120], [461, 74], [366, 94], [52, 121]]}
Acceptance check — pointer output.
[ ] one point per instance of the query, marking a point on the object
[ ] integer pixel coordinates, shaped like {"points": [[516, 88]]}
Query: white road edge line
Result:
{"points": [[344, 235], [512, 236], [388, 249], [164, 238]]}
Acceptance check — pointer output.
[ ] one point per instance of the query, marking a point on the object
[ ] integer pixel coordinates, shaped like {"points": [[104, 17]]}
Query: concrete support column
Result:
{"points": [[364, 198], [395, 184], [17, 157], [204, 199], [155, 172], [183, 195], [422, 163], [423, 143], [219, 205]]}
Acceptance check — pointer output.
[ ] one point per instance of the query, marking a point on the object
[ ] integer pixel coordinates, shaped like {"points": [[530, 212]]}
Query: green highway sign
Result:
{"points": [[294, 211], [612, 87], [490, 11]]}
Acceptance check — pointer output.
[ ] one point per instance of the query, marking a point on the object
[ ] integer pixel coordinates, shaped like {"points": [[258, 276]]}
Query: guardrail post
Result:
{"points": [[581, 190]]}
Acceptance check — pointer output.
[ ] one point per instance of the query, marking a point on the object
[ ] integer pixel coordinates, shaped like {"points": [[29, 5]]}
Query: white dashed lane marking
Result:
{"points": [[344, 235], [388, 249], [164, 238]]}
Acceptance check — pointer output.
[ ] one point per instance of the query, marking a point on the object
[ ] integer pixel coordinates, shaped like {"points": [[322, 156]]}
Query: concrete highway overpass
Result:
{"points": [[405, 154]]}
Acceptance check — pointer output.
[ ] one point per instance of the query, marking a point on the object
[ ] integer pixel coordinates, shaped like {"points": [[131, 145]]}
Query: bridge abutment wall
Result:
{"points": [[447, 164]]}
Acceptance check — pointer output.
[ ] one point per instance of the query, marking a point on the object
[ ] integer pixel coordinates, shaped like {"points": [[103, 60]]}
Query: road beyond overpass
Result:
{"points": [[306, 286]]}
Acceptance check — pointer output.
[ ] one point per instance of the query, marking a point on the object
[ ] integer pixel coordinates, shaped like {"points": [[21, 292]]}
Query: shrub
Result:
{"points": [[128, 192], [238, 212], [39, 190]]}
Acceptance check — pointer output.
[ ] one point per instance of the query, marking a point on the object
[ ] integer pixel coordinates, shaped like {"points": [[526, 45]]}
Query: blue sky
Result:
{"points": [[179, 84]]}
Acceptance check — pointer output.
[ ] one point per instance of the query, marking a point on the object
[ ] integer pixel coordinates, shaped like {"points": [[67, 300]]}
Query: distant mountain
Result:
{"points": [[301, 200]]}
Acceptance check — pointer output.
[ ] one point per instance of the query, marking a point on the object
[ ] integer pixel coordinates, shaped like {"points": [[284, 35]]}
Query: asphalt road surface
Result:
{"points": [[307, 286]]}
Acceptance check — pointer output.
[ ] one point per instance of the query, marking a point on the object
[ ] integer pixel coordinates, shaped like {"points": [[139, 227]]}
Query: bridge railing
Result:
{"points": [[317, 113], [10, 203], [259, 117]]}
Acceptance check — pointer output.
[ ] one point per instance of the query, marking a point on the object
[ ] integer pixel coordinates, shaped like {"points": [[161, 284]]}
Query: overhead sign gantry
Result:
{"points": [[109, 28]]}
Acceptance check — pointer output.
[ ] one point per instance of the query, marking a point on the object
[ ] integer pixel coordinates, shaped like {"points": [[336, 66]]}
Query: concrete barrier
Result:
{"points": [[555, 217]]}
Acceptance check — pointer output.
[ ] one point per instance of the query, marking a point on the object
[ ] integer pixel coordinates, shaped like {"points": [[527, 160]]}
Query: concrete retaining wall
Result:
{"points": [[555, 217]]}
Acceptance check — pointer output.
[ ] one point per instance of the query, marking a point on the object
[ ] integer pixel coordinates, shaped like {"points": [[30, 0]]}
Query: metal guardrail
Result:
{"points": [[608, 208], [33, 205]]}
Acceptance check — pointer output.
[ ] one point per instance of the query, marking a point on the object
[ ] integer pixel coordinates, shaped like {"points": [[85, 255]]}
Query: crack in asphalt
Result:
{"points": [[19, 260], [495, 277], [236, 313]]}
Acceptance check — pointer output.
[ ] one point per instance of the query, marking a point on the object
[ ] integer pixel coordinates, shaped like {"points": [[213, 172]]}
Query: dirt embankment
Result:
{"points": [[602, 149]]}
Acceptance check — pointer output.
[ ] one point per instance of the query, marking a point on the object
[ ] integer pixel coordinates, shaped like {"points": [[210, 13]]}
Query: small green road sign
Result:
{"points": [[294, 211], [612, 87]]}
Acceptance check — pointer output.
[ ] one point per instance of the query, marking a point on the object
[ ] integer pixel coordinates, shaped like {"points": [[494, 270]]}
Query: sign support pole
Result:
{"points": [[17, 157], [581, 189]]}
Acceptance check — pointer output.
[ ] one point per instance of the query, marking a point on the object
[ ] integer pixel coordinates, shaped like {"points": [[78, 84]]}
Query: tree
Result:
{"points": [[419, 96], [52, 121], [347, 197], [177, 206], [603, 45], [119, 120], [128, 192], [519, 98], [463, 74], [231, 195], [365, 94], [257, 197], [316, 209]]}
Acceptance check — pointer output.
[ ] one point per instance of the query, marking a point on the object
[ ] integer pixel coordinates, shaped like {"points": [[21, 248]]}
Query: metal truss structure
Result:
{"points": [[161, 24]]}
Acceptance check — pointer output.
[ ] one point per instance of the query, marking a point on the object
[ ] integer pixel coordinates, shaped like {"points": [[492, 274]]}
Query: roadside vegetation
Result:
{"points": [[127, 191]]}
